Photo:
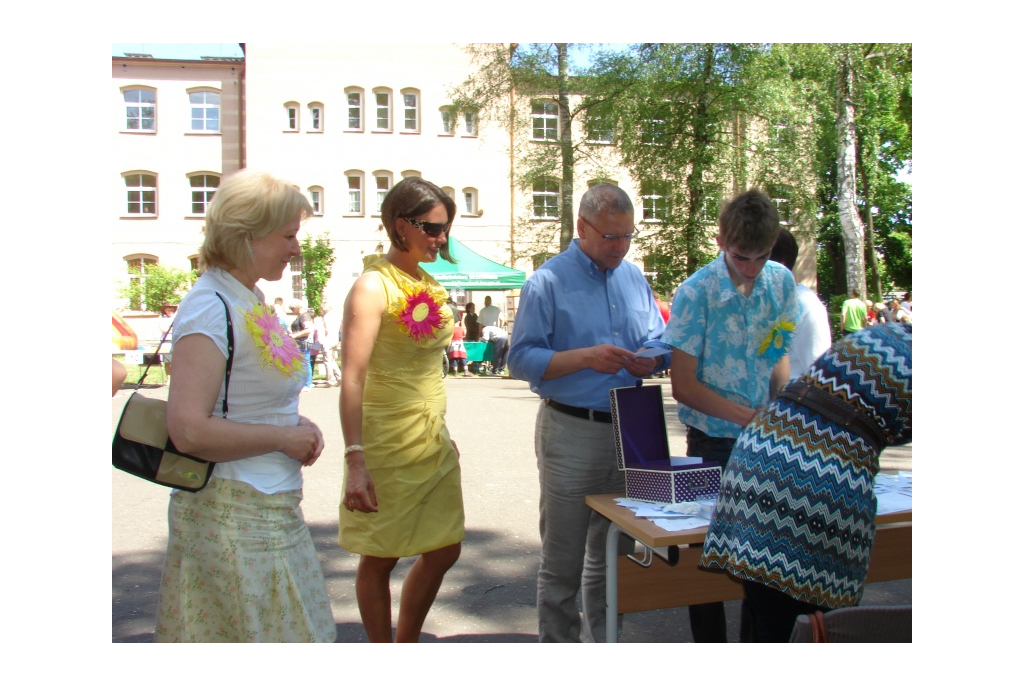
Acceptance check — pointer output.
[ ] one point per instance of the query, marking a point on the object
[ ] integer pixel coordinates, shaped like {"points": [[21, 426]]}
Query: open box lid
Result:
{"points": [[641, 435]]}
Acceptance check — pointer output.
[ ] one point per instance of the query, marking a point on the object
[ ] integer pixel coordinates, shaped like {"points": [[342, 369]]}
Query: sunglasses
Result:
{"points": [[431, 229]]}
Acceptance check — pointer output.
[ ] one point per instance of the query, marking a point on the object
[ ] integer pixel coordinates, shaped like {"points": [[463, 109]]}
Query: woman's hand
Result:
{"points": [[360, 494], [303, 442]]}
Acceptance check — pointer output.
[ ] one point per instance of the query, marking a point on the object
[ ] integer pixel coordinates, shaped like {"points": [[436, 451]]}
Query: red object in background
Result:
{"points": [[124, 337], [664, 308]]}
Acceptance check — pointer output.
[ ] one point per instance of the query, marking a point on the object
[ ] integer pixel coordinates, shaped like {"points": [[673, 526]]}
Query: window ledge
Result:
{"points": [[410, 133], [469, 135], [140, 216], [380, 130], [202, 133], [354, 130], [445, 135], [133, 131], [289, 130], [316, 131]]}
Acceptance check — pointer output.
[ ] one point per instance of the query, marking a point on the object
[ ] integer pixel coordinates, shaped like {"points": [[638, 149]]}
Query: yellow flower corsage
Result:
{"points": [[778, 341]]}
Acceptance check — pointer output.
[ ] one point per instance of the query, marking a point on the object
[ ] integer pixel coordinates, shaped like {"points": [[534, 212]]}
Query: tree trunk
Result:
{"points": [[695, 184], [849, 217], [565, 142]]}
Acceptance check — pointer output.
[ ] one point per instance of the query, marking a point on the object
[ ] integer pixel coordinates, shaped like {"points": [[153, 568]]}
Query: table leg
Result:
{"points": [[611, 593]]}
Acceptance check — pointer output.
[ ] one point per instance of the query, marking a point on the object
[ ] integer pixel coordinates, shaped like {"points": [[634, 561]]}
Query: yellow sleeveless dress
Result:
{"points": [[405, 441]]}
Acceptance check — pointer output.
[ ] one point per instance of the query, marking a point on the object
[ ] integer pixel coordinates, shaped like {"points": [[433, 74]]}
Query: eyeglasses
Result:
{"points": [[431, 229], [610, 236]]}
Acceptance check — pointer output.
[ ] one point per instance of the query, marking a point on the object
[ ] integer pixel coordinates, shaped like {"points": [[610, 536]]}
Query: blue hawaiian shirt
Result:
{"points": [[727, 332]]}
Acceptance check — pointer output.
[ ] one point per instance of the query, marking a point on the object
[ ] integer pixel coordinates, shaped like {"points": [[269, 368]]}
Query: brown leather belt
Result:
{"points": [[836, 411], [580, 412]]}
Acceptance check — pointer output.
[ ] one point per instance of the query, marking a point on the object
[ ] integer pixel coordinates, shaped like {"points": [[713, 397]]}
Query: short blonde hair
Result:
{"points": [[248, 204]]}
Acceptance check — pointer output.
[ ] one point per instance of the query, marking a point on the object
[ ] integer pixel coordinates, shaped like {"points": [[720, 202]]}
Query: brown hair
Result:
{"points": [[750, 222], [408, 199]]}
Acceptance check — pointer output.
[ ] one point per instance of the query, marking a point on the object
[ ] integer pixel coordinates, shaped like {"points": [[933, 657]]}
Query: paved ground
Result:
{"points": [[489, 595]]}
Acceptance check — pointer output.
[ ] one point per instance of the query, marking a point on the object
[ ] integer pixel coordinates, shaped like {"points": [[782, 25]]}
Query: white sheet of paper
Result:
{"points": [[651, 352], [673, 525]]}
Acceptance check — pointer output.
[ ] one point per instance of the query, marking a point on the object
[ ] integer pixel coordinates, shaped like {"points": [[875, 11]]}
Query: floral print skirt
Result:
{"points": [[241, 567]]}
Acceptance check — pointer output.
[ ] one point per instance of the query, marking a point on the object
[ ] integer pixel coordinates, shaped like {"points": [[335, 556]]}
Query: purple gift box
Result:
{"points": [[641, 447]]}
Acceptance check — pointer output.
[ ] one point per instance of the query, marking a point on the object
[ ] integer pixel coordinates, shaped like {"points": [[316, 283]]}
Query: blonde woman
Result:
{"points": [[240, 565]]}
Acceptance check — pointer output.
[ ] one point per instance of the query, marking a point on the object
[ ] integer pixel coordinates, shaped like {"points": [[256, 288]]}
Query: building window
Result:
{"points": [[291, 110], [410, 111], [409, 173], [601, 181], [781, 136], [316, 118], [354, 99], [204, 106], [355, 193], [469, 196], [141, 194], [382, 110], [545, 199], [600, 128], [470, 119], [203, 187], [193, 263], [653, 130], [449, 191], [382, 180], [655, 204], [780, 196], [140, 109], [137, 268], [298, 285], [447, 125], [710, 208], [545, 121], [316, 199]]}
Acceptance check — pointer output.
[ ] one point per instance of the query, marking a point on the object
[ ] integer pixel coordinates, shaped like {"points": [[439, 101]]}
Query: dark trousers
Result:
{"points": [[707, 621], [769, 615]]}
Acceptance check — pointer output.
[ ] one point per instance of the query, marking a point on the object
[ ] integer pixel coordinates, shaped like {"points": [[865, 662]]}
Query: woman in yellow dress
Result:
{"points": [[402, 494]]}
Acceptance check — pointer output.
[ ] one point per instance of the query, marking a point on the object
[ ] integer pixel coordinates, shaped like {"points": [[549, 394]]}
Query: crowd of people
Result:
{"points": [[750, 357]]}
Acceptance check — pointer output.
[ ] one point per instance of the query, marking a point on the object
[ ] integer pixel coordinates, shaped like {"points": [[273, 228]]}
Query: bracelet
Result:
{"points": [[353, 448]]}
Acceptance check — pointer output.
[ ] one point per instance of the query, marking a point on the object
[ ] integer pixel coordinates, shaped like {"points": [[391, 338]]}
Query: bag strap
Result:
{"points": [[227, 368], [231, 355], [818, 629]]}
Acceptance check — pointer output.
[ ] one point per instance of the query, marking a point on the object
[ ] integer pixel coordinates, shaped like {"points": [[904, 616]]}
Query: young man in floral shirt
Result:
{"points": [[730, 329]]}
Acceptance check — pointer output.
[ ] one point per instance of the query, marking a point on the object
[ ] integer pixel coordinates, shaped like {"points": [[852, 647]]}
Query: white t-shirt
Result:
{"points": [[489, 316], [812, 337], [259, 392]]}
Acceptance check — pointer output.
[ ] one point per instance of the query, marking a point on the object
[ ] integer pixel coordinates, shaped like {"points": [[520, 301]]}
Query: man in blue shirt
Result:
{"points": [[582, 317], [731, 328]]}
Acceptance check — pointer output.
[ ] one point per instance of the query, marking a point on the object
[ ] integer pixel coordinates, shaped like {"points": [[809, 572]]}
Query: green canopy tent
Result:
{"points": [[473, 272]]}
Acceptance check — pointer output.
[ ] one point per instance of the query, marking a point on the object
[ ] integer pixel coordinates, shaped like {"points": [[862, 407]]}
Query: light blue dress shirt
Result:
{"points": [[569, 303], [724, 330]]}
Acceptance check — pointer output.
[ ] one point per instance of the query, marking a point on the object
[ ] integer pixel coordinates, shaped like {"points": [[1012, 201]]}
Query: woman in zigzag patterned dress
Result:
{"points": [[795, 517]]}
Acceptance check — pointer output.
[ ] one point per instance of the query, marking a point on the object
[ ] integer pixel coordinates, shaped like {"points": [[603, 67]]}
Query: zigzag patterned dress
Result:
{"points": [[796, 508]]}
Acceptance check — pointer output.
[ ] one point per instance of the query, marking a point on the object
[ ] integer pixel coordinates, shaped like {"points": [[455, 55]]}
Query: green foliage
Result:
{"points": [[317, 258], [157, 287]]}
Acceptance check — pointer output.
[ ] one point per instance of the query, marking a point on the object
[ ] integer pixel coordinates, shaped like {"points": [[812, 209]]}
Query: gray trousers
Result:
{"points": [[575, 458]]}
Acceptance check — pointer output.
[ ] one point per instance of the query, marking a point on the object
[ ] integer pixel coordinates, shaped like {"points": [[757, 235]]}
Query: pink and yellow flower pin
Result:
{"points": [[420, 314], [276, 348]]}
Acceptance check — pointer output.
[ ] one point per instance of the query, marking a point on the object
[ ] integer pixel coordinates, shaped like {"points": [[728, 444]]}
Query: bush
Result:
{"points": [[159, 285]]}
